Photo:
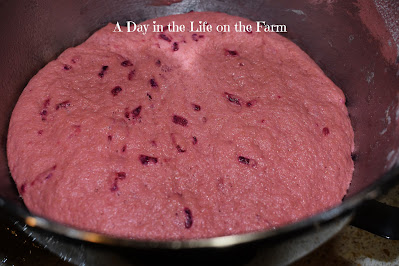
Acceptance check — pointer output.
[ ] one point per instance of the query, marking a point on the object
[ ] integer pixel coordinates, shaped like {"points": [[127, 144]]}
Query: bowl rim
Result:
{"points": [[348, 206]]}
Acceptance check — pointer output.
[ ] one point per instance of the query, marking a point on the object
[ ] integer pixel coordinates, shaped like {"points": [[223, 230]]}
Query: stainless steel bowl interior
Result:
{"points": [[333, 34]]}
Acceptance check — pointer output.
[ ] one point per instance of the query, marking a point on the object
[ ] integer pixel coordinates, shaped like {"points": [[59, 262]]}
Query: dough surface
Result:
{"points": [[181, 135]]}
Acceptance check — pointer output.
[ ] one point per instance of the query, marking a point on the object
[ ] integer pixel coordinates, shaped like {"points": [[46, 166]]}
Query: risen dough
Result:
{"points": [[181, 135]]}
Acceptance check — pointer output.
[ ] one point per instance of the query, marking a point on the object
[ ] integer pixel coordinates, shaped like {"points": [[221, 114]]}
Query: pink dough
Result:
{"points": [[181, 135]]}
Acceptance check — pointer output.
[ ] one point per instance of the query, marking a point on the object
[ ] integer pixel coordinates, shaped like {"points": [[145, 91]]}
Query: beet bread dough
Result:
{"points": [[181, 135]]}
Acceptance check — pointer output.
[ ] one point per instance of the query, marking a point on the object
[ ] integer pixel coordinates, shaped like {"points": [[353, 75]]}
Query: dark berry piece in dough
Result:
{"points": [[164, 37], [243, 160], [144, 159], [231, 53], [131, 74], [153, 83], [136, 112], [102, 72], [126, 63], [115, 91], [326, 131], [189, 218], [180, 120], [175, 46], [196, 107], [121, 175], [232, 98], [179, 148], [64, 104]]}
